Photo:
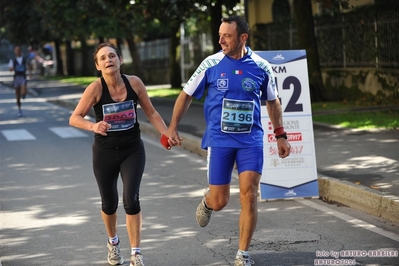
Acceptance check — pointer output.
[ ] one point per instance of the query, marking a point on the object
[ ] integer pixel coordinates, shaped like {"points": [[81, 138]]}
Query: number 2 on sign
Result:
{"points": [[292, 105]]}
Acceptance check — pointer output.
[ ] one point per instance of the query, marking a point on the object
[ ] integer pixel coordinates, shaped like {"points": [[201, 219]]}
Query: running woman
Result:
{"points": [[118, 147]]}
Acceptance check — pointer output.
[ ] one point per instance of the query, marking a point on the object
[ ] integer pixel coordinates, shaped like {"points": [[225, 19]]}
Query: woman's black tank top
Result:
{"points": [[122, 116]]}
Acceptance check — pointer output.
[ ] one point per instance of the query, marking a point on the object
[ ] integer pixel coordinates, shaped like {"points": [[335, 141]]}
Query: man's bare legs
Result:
{"points": [[23, 91], [20, 92], [249, 182], [219, 195]]}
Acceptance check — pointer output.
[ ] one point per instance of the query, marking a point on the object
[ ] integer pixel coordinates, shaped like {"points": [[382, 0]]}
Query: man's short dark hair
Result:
{"points": [[241, 22]]}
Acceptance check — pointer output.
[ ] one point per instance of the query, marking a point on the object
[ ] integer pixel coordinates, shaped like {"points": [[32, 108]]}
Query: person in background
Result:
{"points": [[19, 64], [118, 147], [234, 80], [31, 61]]}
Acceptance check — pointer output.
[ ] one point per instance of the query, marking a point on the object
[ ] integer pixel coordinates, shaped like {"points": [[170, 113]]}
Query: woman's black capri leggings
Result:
{"points": [[130, 163]]}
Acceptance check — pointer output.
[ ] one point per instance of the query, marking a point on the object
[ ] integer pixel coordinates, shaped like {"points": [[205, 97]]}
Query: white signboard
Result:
{"points": [[296, 175]]}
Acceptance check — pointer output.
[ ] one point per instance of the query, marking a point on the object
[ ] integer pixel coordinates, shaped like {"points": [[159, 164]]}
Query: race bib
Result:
{"points": [[20, 68], [237, 116], [121, 116]]}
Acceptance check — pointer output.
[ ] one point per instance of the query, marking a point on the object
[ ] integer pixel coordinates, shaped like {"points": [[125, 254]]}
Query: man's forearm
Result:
{"points": [[182, 104], [275, 113]]}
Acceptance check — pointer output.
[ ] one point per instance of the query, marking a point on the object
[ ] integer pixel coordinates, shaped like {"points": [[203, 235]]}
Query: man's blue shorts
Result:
{"points": [[221, 162]]}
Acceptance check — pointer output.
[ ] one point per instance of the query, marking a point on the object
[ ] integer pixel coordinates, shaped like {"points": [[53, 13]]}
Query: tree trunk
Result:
{"points": [[85, 67], [60, 69], [70, 59], [307, 41], [216, 19], [136, 62], [119, 43], [175, 75]]}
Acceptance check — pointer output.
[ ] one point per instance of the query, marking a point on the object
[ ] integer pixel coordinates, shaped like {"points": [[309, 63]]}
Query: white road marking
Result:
{"points": [[350, 219], [68, 132], [17, 134]]}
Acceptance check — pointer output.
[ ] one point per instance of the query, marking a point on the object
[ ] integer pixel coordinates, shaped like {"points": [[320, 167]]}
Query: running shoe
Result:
{"points": [[242, 260], [136, 260], [19, 113], [114, 254], [203, 214]]}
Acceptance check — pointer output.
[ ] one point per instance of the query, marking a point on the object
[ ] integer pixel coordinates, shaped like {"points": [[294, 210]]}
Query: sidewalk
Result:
{"points": [[359, 169]]}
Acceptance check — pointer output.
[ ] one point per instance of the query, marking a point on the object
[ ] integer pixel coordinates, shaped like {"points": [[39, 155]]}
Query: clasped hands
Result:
{"points": [[170, 138]]}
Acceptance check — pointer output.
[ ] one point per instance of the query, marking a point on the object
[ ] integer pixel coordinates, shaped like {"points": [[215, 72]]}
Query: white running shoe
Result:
{"points": [[203, 214], [136, 260], [242, 260], [114, 254]]}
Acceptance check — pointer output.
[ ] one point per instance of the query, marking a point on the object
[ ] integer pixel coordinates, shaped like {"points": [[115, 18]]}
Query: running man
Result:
{"points": [[19, 65], [235, 80]]}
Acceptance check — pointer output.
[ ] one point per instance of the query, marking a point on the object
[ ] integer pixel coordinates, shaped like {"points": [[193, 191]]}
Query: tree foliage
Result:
{"points": [[19, 19], [74, 21]]}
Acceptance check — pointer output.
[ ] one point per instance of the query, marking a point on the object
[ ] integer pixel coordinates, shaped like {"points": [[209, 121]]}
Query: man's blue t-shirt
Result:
{"points": [[234, 89]]}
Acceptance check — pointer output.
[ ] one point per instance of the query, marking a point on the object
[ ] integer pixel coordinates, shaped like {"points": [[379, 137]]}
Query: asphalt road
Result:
{"points": [[50, 208]]}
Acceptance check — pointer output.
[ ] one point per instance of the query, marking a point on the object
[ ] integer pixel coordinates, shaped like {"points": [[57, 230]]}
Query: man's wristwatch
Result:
{"points": [[281, 136]]}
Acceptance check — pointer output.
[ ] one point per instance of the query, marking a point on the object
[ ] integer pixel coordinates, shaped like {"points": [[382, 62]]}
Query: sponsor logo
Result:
{"points": [[290, 193], [293, 162], [291, 124], [291, 136], [248, 84], [278, 57], [223, 84], [294, 150], [288, 124], [288, 162], [275, 162]]}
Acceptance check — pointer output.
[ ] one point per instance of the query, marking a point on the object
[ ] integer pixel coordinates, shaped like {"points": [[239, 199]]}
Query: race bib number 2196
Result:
{"points": [[237, 116]]}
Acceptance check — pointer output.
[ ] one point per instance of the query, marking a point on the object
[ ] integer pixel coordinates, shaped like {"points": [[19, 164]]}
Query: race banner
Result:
{"points": [[296, 175]]}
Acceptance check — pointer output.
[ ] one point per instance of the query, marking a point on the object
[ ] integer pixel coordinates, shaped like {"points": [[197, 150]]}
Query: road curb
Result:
{"points": [[359, 197], [330, 189]]}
